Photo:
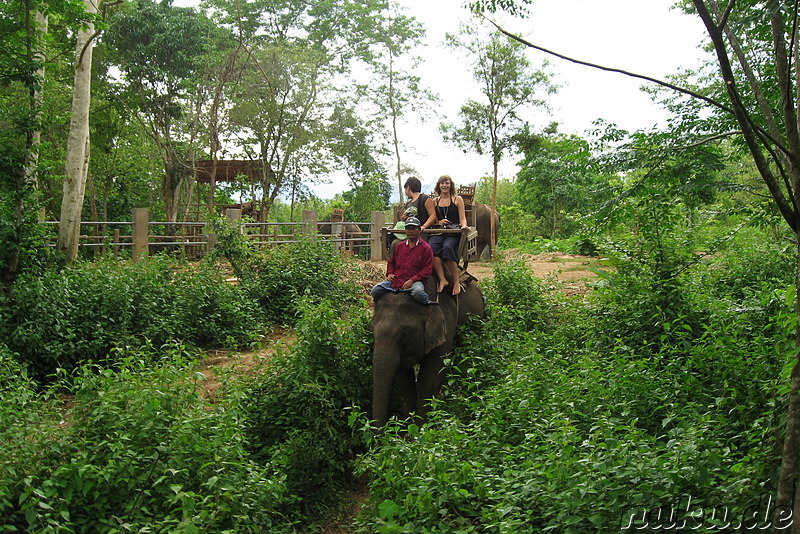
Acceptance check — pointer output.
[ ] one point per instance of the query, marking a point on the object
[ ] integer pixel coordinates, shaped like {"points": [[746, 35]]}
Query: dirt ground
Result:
{"points": [[568, 270]]}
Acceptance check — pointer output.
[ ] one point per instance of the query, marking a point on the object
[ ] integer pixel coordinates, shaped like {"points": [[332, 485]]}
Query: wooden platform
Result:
{"points": [[466, 247]]}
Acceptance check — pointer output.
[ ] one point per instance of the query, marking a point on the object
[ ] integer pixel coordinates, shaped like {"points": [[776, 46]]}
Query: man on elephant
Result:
{"points": [[410, 265], [419, 205]]}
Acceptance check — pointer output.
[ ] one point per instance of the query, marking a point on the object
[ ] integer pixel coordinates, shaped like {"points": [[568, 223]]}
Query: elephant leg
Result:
{"points": [[383, 375], [407, 384], [429, 382]]}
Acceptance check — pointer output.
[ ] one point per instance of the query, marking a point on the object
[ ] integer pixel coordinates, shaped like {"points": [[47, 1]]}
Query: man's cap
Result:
{"points": [[412, 221]]}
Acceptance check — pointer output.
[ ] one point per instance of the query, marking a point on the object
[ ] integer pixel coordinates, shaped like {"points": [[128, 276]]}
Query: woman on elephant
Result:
{"points": [[450, 213]]}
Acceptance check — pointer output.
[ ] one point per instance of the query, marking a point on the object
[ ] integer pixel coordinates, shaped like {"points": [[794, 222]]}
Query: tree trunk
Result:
{"points": [[172, 186], [95, 219], [395, 140], [787, 484], [492, 226], [32, 163], [77, 144]]}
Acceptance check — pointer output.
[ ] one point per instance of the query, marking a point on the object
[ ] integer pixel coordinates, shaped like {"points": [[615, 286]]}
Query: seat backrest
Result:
{"points": [[467, 192]]}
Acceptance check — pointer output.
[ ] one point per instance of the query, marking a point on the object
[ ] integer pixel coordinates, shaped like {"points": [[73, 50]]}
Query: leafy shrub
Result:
{"points": [[24, 241], [138, 450], [557, 425], [517, 297], [519, 227], [570, 446], [231, 243], [644, 306], [296, 411], [63, 318], [281, 276], [748, 261]]}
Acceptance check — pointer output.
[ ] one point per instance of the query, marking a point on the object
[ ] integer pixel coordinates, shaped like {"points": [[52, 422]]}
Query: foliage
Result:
{"points": [[510, 83], [159, 48], [295, 412], [518, 226], [548, 430], [556, 179], [62, 318], [137, 450], [372, 194], [22, 240], [231, 243], [281, 276], [505, 192]]}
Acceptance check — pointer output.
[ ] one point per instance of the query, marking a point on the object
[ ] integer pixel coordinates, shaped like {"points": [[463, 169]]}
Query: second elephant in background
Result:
{"points": [[483, 221]]}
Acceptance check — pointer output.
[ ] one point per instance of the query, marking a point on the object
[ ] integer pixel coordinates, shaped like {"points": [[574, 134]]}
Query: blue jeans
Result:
{"points": [[417, 291], [445, 246]]}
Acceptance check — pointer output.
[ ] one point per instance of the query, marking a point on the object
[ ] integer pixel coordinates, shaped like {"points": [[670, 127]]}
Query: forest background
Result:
{"points": [[671, 386]]}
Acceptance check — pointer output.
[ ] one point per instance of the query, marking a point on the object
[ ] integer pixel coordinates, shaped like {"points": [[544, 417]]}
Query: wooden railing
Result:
{"points": [[194, 239]]}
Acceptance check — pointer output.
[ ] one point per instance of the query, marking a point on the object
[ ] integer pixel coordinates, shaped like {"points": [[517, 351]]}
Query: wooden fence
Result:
{"points": [[194, 239]]}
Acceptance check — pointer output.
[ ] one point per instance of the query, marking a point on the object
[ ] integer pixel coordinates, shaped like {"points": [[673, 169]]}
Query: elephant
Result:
{"points": [[346, 230], [483, 226], [407, 334]]}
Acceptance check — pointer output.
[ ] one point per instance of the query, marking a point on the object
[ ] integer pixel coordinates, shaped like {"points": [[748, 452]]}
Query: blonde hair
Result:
{"points": [[441, 179]]}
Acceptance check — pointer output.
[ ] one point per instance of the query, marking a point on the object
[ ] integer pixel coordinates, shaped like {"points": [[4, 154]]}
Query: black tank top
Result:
{"points": [[422, 213], [447, 212]]}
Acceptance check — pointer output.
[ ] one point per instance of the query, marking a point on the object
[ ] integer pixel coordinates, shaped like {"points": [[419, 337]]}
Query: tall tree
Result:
{"points": [[397, 91], [23, 36], [78, 143], [508, 83], [289, 108], [757, 94], [278, 114], [159, 49], [555, 177]]}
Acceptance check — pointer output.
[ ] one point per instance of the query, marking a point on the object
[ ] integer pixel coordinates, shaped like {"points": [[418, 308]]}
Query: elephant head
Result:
{"points": [[408, 333]]}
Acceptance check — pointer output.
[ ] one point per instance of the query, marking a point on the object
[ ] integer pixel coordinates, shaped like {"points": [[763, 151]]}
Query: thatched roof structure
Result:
{"points": [[227, 170]]}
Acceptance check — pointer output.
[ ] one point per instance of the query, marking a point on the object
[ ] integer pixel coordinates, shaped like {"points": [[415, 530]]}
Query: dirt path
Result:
{"points": [[218, 363], [570, 270]]}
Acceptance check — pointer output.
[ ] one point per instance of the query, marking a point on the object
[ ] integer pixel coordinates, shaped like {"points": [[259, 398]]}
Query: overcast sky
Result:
{"points": [[642, 36]]}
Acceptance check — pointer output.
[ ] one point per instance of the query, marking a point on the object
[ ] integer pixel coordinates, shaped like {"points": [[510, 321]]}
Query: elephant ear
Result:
{"points": [[435, 329]]}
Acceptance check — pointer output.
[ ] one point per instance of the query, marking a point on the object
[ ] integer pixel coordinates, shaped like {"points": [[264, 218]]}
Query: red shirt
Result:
{"points": [[410, 263]]}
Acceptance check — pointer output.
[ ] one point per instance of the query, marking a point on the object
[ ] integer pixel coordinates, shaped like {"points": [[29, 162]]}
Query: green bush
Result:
{"points": [[518, 228], [283, 275], [570, 446], [644, 306], [517, 299], [296, 411], [556, 425], [63, 318], [137, 450]]}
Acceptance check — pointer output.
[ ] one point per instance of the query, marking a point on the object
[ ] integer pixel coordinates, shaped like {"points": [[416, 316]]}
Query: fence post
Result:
{"points": [[141, 234], [310, 221], [233, 214], [378, 221], [115, 245]]}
